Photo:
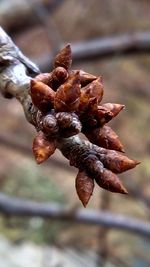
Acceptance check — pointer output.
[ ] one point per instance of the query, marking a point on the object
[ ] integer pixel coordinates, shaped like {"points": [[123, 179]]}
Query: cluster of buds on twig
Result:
{"points": [[69, 102]]}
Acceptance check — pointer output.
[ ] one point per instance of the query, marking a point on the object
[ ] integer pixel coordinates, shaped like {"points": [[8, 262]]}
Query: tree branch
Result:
{"points": [[13, 143], [13, 11], [15, 76], [15, 69], [19, 207], [125, 44]]}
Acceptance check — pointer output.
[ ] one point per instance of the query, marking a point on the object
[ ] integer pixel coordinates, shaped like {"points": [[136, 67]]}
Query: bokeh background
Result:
{"points": [[39, 28]]}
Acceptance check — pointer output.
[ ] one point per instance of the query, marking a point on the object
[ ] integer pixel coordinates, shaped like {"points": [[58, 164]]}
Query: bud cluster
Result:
{"points": [[69, 102]]}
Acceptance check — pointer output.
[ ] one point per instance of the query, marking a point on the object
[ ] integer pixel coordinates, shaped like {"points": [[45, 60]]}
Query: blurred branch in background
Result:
{"points": [[29, 14], [124, 44], [19, 207], [47, 22], [13, 143], [15, 10]]}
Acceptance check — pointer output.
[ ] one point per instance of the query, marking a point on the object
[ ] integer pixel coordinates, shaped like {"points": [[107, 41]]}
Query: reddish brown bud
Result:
{"points": [[114, 108], [94, 115], [105, 137], [85, 78], [107, 112], [84, 187], [43, 77], [68, 95], [105, 178], [117, 162], [68, 123], [43, 148], [109, 181], [59, 76], [42, 96], [92, 90], [64, 58]]}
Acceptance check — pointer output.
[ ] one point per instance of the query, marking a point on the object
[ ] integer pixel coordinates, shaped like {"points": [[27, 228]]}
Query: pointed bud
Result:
{"points": [[64, 58], [68, 123], [117, 162], [85, 77], [109, 181], [105, 178], [84, 187], [68, 95], [93, 116], [114, 108], [88, 117], [43, 148], [42, 96], [92, 90], [105, 137], [50, 126], [43, 77], [107, 112]]}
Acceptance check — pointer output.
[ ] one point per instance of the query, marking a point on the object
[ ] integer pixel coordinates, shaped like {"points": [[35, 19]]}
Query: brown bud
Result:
{"points": [[117, 162], [59, 76], [105, 137], [105, 178], [64, 58], [50, 126], [68, 123], [43, 148], [109, 181], [68, 95], [84, 187], [92, 90], [106, 112], [113, 108], [42, 96], [85, 78], [43, 77]]}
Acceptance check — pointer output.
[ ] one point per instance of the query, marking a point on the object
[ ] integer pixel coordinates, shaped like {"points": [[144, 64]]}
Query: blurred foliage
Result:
{"points": [[28, 182]]}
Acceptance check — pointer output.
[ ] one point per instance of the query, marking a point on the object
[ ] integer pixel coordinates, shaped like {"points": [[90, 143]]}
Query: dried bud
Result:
{"points": [[43, 148], [43, 77], [42, 96], [105, 137], [60, 74], [85, 78], [116, 162], [109, 181], [105, 178], [50, 126], [68, 95], [114, 108], [84, 187], [92, 90], [66, 102], [64, 58], [68, 123], [58, 77], [106, 112]]}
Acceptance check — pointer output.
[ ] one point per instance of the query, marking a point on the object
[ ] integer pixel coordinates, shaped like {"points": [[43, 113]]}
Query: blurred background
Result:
{"points": [[40, 28]]}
